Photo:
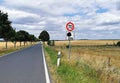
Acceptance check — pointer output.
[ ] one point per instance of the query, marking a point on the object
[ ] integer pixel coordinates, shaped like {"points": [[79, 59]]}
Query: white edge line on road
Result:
{"points": [[45, 66]]}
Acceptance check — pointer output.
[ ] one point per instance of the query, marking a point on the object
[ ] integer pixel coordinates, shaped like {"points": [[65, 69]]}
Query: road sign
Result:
{"points": [[70, 26], [68, 34]]}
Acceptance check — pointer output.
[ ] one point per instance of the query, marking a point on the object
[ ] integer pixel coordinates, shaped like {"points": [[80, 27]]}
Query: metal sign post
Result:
{"points": [[69, 50]]}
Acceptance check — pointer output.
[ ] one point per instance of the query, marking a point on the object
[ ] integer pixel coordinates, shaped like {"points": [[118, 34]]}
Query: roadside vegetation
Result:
{"points": [[11, 47], [91, 61], [67, 72]]}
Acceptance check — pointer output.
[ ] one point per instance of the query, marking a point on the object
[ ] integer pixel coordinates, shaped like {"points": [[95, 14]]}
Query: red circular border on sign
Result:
{"points": [[68, 27]]}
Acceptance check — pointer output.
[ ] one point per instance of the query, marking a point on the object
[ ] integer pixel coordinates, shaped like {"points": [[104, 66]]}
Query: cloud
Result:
{"points": [[108, 18], [51, 7], [118, 5], [16, 14], [26, 20], [91, 18]]}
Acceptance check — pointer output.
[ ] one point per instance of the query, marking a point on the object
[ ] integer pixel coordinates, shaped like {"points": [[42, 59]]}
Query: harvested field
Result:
{"points": [[102, 55]]}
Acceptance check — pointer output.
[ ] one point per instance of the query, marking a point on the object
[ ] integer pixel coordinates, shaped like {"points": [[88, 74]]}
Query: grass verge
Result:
{"points": [[6, 51], [69, 73]]}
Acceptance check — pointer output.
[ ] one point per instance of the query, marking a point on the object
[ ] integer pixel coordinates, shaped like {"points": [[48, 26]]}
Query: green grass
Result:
{"points": [[53, 55], [77, 74], [72, 73]]}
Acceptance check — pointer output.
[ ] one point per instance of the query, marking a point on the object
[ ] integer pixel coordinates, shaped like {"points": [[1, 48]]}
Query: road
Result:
{"points": [[24, 66]]}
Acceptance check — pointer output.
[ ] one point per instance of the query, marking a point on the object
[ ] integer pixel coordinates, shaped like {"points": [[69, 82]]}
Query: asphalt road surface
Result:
{"points": [[24, 66]]}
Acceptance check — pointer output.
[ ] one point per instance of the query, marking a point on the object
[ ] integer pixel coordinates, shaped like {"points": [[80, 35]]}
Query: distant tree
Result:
{"points": [[44, 36], [32, 38], [14, 38], [19, 37], [22, 36], [6, 30]]}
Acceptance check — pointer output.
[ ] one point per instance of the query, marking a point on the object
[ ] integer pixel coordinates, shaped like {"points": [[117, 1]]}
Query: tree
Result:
{"points": [[44, 36], [32, 38], [22, 36], [6, 30], [14, 38]]}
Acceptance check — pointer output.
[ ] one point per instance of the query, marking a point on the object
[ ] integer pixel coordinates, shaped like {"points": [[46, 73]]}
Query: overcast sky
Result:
{"points": [[93, 19]]}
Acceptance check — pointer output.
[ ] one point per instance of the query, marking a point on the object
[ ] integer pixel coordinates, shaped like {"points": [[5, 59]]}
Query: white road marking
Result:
{"points": [[45, 66]]}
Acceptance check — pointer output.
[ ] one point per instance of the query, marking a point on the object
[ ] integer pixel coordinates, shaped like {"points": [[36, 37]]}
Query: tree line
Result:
{"points": [[8, 33]]}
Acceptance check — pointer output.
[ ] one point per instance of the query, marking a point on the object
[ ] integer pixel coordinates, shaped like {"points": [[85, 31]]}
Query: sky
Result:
{"points": [[93, 19]]}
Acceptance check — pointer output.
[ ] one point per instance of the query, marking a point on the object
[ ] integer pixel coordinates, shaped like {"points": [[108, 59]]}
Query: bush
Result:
{"points": [[118, 43], [48, 42], [67, 46], [51, 43]]}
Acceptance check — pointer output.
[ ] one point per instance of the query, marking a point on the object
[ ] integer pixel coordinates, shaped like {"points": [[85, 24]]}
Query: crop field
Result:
{"points": [[87, 42], [10, 47], [101, 55]]}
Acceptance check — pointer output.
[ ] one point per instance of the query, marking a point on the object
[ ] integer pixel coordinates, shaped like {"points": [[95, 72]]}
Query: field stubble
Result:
{"points": [[10, 47], [101, 55]]}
